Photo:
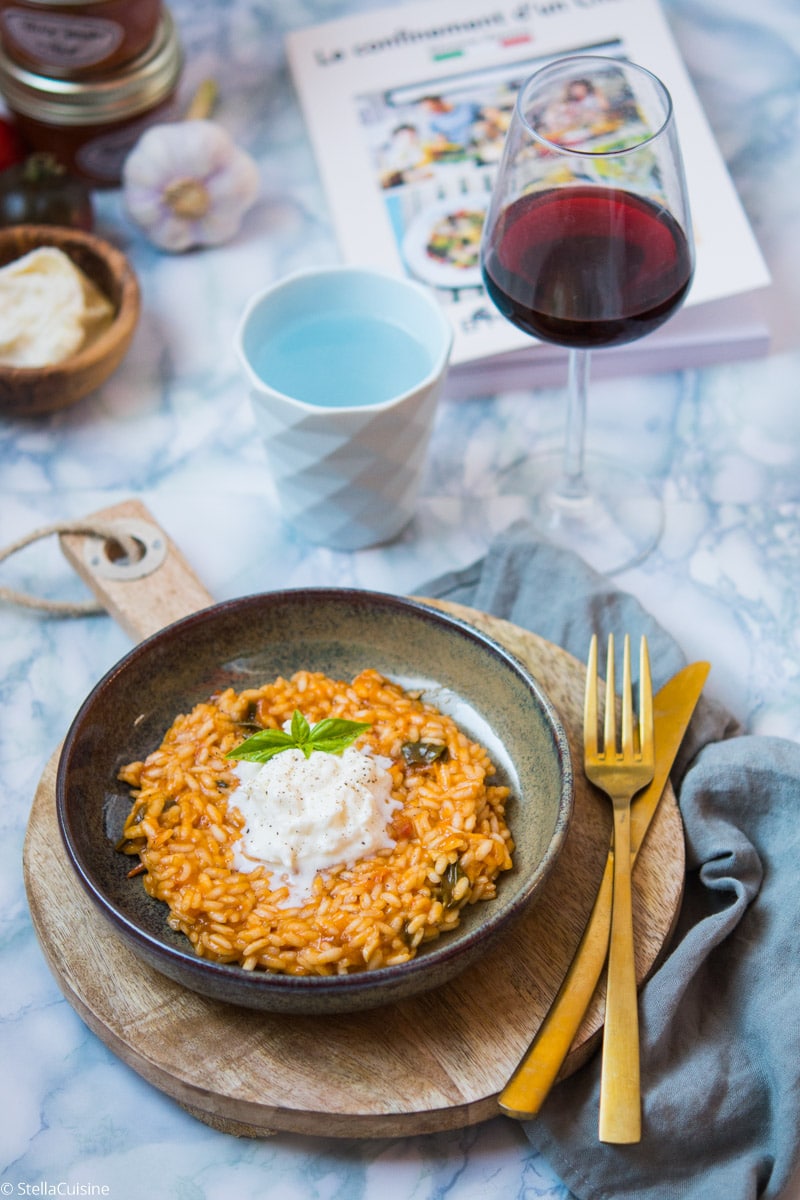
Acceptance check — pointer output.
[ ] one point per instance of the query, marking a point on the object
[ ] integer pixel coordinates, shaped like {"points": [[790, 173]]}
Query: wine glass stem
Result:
{"points": [[572, 485]]}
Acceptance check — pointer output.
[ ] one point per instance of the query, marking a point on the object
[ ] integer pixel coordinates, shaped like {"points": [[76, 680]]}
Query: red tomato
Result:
{"points": [[12, 149]]}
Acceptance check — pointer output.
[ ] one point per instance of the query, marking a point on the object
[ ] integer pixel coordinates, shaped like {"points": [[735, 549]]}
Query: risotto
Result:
{"points": [[446, 836]]}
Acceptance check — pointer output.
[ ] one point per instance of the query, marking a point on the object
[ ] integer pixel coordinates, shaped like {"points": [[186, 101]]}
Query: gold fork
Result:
{"points": [[620, 771]]}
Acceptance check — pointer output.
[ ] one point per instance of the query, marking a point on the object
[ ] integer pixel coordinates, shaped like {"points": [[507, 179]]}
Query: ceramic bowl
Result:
{"points": [[249, 641], [34, 391]]}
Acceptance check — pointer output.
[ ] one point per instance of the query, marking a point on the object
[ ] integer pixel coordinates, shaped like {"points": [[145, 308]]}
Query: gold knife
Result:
{"points": [[525, 1092]]}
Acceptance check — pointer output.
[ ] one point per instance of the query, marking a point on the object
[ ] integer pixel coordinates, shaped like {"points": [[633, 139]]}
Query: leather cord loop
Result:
{"points": [[62, 608]]}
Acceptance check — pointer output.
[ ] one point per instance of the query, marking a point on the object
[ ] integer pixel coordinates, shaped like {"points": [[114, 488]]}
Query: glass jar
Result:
{"points": [[91, 125], [75, 41]]}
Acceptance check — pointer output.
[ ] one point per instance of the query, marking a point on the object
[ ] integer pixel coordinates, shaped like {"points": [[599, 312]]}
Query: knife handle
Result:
{"points": [[528, 1087]]}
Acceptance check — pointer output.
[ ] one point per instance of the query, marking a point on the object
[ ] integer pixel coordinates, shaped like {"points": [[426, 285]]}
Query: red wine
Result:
{"points": [[587, 266]]}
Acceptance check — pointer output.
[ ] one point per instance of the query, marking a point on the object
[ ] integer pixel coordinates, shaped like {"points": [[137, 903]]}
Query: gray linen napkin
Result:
{"points": [[720, 1027]]}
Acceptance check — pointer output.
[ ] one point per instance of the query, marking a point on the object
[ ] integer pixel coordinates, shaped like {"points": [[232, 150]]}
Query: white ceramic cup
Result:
{"points": [[345, 367]]}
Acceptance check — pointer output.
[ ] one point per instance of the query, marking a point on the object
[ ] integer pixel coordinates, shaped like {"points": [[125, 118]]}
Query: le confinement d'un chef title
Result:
{"points": [[498, 20]]}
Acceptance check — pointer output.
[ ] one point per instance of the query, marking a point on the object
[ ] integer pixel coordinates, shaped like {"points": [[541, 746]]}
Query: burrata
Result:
{"points": [[303, 815]]}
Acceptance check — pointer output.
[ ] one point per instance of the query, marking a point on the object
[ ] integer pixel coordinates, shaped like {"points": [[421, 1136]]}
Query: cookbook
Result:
{"points": [[407, 107]]}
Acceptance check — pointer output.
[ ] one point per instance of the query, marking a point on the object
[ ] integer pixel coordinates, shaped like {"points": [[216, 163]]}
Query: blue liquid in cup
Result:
{"points": [[338, 360]]}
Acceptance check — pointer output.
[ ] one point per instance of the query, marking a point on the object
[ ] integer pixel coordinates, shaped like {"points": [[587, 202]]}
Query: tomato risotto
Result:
{"points": [[443, 838]]}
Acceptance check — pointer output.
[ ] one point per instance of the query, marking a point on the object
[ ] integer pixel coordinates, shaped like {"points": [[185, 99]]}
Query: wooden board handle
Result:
{"points": [[142, 596]]}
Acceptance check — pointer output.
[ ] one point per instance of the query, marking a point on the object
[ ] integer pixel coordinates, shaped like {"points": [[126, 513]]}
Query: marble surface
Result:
{"points": [[174, 428]]}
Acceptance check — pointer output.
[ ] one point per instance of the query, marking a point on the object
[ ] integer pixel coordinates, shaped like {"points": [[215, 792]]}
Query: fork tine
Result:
{"points": [[610, 728], [627, 702], [590, 702], [645, 703]]}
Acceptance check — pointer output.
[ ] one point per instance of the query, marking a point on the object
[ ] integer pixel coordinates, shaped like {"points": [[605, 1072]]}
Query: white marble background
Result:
{"points": [[174, 428]]}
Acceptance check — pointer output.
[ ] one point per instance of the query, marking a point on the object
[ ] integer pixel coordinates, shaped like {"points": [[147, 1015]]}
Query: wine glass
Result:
{"points": [[587, 243]]}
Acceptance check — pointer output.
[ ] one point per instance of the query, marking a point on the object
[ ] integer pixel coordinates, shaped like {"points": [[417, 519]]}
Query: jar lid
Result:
{"points": [[139, 86]]}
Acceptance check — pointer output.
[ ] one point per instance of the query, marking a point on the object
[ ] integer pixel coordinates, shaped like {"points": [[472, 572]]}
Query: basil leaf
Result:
{"points": [[331, 735], [452, 874], [334, 734], [333, 745], [301, 730], [419, 754], [260, 756], [337, 727], [262, 746]]}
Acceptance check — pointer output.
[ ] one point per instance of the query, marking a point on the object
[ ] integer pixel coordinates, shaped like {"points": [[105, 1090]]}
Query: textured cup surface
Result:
{"points": [[347, 466]]}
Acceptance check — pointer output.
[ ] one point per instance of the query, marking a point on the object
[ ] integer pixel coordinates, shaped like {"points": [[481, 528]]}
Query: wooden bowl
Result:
{"points": [[33, 391]]}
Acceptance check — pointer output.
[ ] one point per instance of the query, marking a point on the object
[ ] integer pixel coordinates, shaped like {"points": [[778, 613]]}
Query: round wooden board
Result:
{"points": [[435, 1062]]}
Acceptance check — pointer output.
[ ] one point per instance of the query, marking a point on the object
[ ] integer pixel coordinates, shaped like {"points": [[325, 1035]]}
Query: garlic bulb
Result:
{"points": [[188, 184]]}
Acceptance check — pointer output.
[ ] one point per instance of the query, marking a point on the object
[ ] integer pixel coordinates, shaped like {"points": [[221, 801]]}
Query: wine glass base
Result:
{"points": [[613, 524]]}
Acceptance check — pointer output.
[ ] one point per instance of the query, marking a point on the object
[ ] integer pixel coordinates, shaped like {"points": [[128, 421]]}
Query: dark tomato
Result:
{"points": [[12, 149], [41, 191]]}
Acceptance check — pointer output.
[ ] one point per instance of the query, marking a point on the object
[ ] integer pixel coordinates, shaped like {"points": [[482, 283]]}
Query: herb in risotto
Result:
{"points": [[313, 826]]}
